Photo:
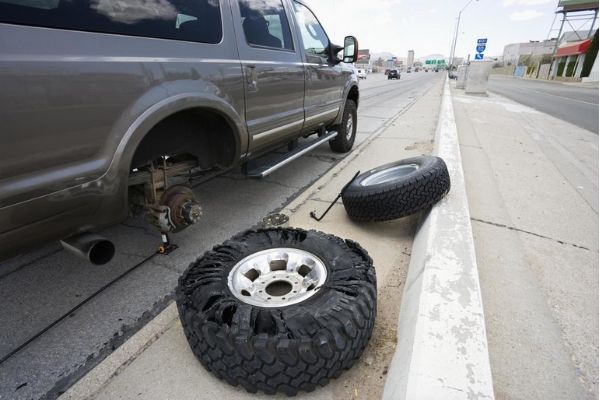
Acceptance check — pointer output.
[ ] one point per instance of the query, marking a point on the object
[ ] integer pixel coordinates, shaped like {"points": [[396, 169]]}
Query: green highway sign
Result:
{"points": [[435, 62]]}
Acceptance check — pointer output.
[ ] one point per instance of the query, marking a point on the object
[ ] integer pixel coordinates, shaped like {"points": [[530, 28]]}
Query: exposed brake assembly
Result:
{"points": [[171, 208]]}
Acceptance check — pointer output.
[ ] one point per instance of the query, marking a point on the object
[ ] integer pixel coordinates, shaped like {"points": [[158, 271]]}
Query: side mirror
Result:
{"points": [[350, 49]]}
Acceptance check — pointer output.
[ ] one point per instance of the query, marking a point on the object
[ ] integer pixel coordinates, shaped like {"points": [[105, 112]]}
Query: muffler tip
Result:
{"points": [[101, 252], [96, 249]]}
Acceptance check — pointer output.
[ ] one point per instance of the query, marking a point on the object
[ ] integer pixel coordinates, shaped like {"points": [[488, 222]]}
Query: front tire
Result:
{"points": [[344, 141]]}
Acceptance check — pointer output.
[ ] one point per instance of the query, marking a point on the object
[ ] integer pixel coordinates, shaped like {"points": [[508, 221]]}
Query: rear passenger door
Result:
{"points": [[273, 70]]}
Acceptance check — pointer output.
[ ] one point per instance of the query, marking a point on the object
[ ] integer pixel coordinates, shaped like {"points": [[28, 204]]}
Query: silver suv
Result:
{"points": [[104, 103]]}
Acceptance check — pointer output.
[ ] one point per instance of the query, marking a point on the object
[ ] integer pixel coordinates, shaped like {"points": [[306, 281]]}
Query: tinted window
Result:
{"points": [[265, 24], [191, 20], [313, 35]]}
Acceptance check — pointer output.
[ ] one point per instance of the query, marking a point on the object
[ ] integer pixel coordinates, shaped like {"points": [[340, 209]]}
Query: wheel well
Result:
{"points": [[353, 94], [202, 133]]}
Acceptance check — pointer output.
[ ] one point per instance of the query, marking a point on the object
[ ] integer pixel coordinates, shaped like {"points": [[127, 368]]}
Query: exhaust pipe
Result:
{"points": [[96, 249]]}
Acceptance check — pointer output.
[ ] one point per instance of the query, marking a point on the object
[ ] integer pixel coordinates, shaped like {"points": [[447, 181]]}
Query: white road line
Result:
{"points": [[562, 97]]}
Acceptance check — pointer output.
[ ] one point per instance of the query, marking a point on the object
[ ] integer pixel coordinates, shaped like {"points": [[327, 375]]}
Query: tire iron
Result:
{"points": [[318, 219]]}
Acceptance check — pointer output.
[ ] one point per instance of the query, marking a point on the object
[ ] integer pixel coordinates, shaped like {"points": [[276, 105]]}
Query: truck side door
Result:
{"points": [[325, 79], [273, 70]]}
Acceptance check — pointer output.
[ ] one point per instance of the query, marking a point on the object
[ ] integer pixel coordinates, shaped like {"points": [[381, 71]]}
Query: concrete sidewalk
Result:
{"points": [[532, 184], [157, 362]]}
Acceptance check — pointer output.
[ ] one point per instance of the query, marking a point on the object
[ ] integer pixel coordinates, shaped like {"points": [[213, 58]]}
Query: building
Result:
{"points": [[513, 52], [537, 59], [574, 54], [569, 58], [411, 58]]}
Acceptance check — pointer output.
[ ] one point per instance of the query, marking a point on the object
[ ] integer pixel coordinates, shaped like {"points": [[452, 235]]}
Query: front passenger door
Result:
{"points": [[324, 78]]}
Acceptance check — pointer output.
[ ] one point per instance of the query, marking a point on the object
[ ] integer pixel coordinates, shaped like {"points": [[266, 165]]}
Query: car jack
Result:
{"points": [[166, 246]]}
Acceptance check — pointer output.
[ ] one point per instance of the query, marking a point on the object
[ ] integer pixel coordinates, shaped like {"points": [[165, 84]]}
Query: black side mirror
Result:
{"points": [[350, 49]]}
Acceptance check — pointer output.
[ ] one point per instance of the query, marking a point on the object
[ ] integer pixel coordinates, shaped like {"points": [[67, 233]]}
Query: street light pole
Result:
{"points": [[453, 50]]}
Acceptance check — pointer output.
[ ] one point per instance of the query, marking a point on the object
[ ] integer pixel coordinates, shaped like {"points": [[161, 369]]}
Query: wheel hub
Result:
{"points": [[389, 174], [349, 127], [277, 277]]}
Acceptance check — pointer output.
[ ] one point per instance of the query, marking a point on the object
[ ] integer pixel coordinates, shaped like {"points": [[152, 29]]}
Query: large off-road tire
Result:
{"points": [[279, 341], [397, 189], [344, 141]]}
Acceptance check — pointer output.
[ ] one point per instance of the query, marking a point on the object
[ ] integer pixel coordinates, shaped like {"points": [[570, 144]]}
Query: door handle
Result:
{"points": [[251, 78]]}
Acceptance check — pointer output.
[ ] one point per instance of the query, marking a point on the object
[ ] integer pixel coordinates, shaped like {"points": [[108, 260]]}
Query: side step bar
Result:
{"points": [[264, 170]]}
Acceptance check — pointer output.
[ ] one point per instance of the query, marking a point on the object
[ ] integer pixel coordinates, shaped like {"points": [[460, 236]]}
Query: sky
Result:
{"points": [[427, 26]]}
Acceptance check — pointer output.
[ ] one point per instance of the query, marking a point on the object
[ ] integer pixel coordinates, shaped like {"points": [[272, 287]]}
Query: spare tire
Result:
{"points": [[397, 189], [279, 309]]}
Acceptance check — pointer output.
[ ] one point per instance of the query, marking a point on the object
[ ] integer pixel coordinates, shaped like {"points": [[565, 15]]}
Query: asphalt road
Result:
{"points": [[574, 104], [61, 316]]}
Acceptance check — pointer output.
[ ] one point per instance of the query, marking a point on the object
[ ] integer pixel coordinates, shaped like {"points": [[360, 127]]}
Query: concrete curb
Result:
{"points": [[442, 350]]}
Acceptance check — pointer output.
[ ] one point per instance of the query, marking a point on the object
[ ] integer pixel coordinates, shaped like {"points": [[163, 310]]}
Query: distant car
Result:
{"points": [[387, 71], [393, 74], [408, 70], [361, 73], [452, 74]]}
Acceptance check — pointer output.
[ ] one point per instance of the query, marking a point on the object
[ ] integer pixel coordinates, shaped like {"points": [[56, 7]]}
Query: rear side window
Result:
{"points": [[190, 20], [265, 24]]}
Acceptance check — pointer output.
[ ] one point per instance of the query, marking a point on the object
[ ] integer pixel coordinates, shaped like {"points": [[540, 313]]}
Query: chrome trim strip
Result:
{"points": [[278, 129], [334, 110]]}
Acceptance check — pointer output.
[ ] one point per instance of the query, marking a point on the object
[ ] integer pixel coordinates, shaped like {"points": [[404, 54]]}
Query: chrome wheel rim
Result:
{"points": [[389, 174], [277, 277], [349, 127]]}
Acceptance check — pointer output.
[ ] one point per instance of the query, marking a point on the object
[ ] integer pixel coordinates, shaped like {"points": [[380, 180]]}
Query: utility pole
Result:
{"points": [[453, 49]]}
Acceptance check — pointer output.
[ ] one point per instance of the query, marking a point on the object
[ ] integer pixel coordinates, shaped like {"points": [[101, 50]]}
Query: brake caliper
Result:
{"points": [[176, 210]]}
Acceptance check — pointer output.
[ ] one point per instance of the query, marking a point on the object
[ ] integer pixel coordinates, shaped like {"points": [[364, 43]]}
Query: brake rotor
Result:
{"points": [[185, 210]]}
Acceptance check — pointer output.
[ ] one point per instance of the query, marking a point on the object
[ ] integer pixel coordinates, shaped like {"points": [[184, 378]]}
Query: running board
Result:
{"points": [[264, 170]]}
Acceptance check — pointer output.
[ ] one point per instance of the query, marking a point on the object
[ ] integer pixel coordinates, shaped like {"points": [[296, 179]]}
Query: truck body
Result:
{"points": [[100, 97]]}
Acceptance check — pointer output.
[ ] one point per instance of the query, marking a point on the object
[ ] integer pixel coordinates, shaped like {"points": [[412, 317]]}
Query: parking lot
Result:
{"points": [[61, 316]]}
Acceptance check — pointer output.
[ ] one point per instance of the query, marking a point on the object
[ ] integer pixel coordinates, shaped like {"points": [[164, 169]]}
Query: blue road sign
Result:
{"points": [[481, 41], [479, 56], [480, 48]]}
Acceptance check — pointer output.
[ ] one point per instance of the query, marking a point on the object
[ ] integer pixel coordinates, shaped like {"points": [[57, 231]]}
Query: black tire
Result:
{"points": [[285, 349], [420, 187], [344, 141]]}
